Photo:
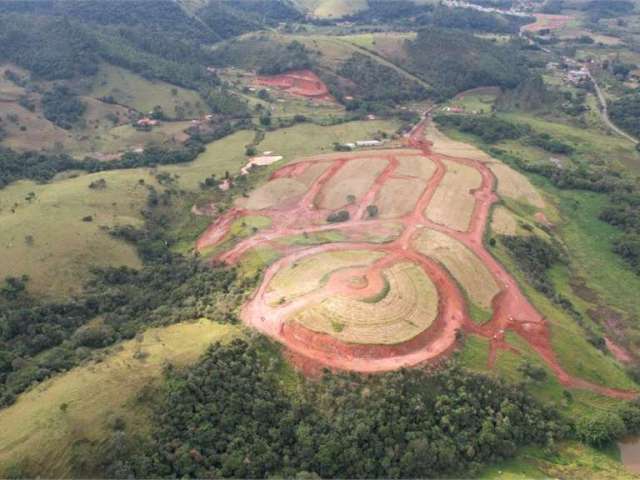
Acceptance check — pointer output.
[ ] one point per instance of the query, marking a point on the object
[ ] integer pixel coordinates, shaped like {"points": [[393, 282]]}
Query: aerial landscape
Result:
{"points": [[320, 239]]}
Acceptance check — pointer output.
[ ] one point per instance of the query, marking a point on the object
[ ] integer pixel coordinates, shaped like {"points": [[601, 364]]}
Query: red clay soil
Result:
{"points": [[547, 22], [303, 83], [620, 353], [511, 309]]}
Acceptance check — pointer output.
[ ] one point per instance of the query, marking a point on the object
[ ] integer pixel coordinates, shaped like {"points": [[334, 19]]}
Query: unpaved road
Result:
{"points": [[604, 111], [511, 309]]}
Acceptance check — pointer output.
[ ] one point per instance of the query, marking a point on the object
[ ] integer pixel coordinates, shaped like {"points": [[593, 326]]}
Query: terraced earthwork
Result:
{"points": [[371, 258]]}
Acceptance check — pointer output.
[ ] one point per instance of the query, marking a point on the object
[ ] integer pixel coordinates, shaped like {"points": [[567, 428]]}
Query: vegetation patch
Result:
{"points": [[344, 401]]}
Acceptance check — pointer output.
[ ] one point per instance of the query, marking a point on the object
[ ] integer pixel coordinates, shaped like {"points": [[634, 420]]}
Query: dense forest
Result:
{"points": [[377, 82], [452, 61], [625, 112], [229, 18], [229, 417], [39, 338], [62, 107], [411, 14]]}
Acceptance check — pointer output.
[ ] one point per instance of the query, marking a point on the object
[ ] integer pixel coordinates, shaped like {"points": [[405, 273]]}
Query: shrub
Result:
{"points": [[600, 429], [337, 217]]}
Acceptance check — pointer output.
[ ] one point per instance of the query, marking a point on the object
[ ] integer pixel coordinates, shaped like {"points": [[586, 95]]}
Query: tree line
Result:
{"points": [[492, 129], [228, 416], [452, 61], [39, 338]]}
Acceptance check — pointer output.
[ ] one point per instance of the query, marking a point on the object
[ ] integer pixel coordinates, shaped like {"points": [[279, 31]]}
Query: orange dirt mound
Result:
{"points": [[303, 83]]}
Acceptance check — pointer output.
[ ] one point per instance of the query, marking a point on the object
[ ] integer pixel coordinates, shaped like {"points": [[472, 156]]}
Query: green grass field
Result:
{"points": [[474, 101], [590, 144], [47, 240], [331, 8], [64, 422], [567, 460], [128, 88]]}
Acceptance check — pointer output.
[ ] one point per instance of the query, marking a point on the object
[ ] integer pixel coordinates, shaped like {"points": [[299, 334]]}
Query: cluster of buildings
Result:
{"points": [[578, 76]]}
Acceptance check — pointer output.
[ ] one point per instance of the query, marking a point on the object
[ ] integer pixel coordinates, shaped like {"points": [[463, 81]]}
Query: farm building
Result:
{"points": [[368, 143]]}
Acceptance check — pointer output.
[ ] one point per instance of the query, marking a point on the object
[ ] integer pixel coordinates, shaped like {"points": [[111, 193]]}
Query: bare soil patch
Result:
{"points": [[302, 83]]}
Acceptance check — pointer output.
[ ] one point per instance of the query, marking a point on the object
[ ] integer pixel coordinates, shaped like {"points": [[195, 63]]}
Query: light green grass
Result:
{"points": [[63, 247], [246, 226], [307, 139], [315, 238], [219, 157], [567, 460], [590, 144], [41, 439], [336, 8], [474, 102], [128, 88], [252, 262], [588, 242], [576, 355]]}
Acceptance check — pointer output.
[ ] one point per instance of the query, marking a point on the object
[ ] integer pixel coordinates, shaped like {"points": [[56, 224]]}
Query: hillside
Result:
{"points": [[319, 238]]}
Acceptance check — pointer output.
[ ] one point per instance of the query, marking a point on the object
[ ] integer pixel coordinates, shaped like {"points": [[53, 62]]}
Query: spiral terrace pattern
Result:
{"points": [[368, 305]]}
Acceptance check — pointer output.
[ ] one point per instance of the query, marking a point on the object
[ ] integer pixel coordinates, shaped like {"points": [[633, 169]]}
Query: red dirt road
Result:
{"points": [[303, 83], [511, 309]]}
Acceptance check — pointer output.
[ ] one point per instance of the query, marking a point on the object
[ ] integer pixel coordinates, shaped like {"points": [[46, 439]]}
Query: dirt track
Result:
{"points": [[511, 309]]}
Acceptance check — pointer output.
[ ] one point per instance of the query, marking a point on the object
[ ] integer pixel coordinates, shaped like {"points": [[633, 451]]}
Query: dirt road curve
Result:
{"points": [[511, 309], [604, 111]]}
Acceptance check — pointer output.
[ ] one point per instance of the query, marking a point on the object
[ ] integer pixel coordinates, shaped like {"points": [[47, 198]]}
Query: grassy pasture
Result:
{"points": [[568, 460], [478, 100], [46, 431], [589, 249], [9, 91], [331, 8], [47, 239], [306, 138], [63, 246], [128, 88], [590, 144], [31, 131], [573, 351]]}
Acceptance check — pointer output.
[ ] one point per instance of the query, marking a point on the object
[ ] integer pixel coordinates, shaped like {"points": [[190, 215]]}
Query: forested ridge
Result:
{"points": [[625, 112], [452, 61], [407, 13], [39, 338], [228, 416]]}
